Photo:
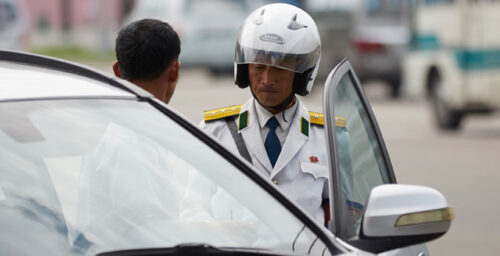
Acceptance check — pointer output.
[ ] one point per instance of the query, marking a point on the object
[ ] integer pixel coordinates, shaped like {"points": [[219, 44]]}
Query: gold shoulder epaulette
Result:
{"points": [[318, 119], [215, 114], [339, 121]]}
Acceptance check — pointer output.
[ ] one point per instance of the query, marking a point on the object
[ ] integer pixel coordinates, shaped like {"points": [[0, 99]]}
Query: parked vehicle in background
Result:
{"points": [[373, 34], [454, 58], [334, 20], [379, 38], [13, 25], [208, 29]]}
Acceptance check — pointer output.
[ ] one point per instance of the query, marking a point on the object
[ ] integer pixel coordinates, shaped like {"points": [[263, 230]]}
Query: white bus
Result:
{"points": [[454, 58]]}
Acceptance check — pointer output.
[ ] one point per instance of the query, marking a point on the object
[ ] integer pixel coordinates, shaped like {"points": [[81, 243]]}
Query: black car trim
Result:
{"points": [[191, 249], [382, 244]]}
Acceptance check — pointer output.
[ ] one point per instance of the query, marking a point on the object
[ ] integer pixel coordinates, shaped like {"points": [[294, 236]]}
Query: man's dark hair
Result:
{"points": [[145, 48]]}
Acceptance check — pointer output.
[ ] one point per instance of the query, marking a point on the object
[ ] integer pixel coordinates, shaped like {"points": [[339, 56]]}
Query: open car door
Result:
{"points": [[368, 209]]}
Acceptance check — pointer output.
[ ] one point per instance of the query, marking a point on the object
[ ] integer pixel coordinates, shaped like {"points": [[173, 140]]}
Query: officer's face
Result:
{"points": [[271, 85]]}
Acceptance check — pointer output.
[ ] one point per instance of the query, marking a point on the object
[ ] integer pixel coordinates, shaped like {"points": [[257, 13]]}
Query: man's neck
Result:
{"points": [[263, 115], [274, 111], [154, 87]]}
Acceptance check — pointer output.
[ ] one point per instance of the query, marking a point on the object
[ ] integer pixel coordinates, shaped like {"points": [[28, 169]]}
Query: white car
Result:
{"points": [[92, 164], [379, 37]]}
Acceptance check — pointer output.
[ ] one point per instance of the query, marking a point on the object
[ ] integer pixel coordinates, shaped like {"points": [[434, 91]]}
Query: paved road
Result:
{"points": [[464, 166]]}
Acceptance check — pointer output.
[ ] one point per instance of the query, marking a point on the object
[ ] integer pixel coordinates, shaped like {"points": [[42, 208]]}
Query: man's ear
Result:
{"points": [[173, 75], [116, 69]]}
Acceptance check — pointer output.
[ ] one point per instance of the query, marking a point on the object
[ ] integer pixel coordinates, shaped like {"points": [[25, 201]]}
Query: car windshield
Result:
{"points": [[83, 176]]}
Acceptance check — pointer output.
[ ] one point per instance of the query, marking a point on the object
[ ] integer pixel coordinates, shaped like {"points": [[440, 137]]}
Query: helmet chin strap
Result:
{"points": [[280, 107]]}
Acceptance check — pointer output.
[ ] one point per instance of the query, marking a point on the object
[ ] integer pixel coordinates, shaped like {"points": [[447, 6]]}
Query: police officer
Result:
{"points": [[277, 56]]}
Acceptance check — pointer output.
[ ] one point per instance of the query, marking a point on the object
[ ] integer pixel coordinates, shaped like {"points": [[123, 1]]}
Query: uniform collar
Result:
{"points": [[263, 115]]}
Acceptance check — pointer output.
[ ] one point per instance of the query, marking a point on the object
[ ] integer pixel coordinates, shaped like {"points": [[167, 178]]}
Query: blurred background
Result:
{"points": [[430, 68]]}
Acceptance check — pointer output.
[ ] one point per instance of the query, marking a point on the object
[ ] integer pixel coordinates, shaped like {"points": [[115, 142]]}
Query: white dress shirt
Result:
{"points": [[284, 118]]}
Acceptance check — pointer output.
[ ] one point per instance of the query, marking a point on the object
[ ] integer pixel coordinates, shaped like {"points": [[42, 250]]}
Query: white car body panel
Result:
{"points": [[389, 202], [41, 83]]}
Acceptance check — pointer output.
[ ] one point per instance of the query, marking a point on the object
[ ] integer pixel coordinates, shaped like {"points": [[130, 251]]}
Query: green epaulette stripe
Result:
{"points": [[243, 120], [304, 126]]}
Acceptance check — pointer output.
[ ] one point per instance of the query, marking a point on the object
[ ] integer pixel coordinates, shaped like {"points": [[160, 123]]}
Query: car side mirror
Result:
{"points": [[407, 214]]}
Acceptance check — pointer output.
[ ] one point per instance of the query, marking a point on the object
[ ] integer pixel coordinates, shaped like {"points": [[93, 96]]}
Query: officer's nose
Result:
{"points": [[267, 76]]}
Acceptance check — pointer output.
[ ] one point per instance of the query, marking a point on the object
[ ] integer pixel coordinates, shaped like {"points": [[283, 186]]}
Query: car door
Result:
{"points": [[358, 157]]}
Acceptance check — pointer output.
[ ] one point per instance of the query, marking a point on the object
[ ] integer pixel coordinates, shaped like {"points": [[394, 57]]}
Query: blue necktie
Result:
{"points": [[272, 143]]}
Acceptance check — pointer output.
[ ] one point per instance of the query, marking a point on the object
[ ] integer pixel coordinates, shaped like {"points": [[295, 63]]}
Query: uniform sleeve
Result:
{"points": [[214, 128]]}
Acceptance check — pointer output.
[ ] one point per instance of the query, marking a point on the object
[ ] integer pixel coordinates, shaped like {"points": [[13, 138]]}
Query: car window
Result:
{"points": [[361, 160], [79, 177]]}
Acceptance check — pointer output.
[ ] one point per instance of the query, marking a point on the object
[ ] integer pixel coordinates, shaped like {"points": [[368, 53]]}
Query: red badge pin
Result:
{"points": [[313, 159]]}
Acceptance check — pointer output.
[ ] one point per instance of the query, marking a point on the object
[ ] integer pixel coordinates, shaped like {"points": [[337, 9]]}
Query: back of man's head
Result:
{"points": [[145, 48]]}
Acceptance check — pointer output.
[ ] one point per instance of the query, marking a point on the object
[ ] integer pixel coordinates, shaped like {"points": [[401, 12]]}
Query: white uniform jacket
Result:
{"points": [[301, 170]]}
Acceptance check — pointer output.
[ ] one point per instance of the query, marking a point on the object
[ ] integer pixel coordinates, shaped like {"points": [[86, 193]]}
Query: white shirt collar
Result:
{"points": [[263, 115]]}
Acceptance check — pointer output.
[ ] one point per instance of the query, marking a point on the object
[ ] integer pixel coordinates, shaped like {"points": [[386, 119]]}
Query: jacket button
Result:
{"points": [[275, 181]]}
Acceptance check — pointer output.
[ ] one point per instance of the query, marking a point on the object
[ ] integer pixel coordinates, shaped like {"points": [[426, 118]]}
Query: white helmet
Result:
{"points": [[283, 36]]}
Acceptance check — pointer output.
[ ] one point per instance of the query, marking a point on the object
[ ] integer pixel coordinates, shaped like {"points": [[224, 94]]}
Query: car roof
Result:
{"points": [[28, 76]]}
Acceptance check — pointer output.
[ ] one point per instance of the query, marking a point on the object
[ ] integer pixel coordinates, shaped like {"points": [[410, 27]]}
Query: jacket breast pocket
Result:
{"points": [[312, 187], [316, 170]]}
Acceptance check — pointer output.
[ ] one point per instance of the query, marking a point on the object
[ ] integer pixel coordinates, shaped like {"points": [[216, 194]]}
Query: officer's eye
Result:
{"points": [[260, 67]]}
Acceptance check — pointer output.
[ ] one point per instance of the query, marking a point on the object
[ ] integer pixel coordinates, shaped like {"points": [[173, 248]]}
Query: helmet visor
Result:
{"points": [[294, 62]]}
